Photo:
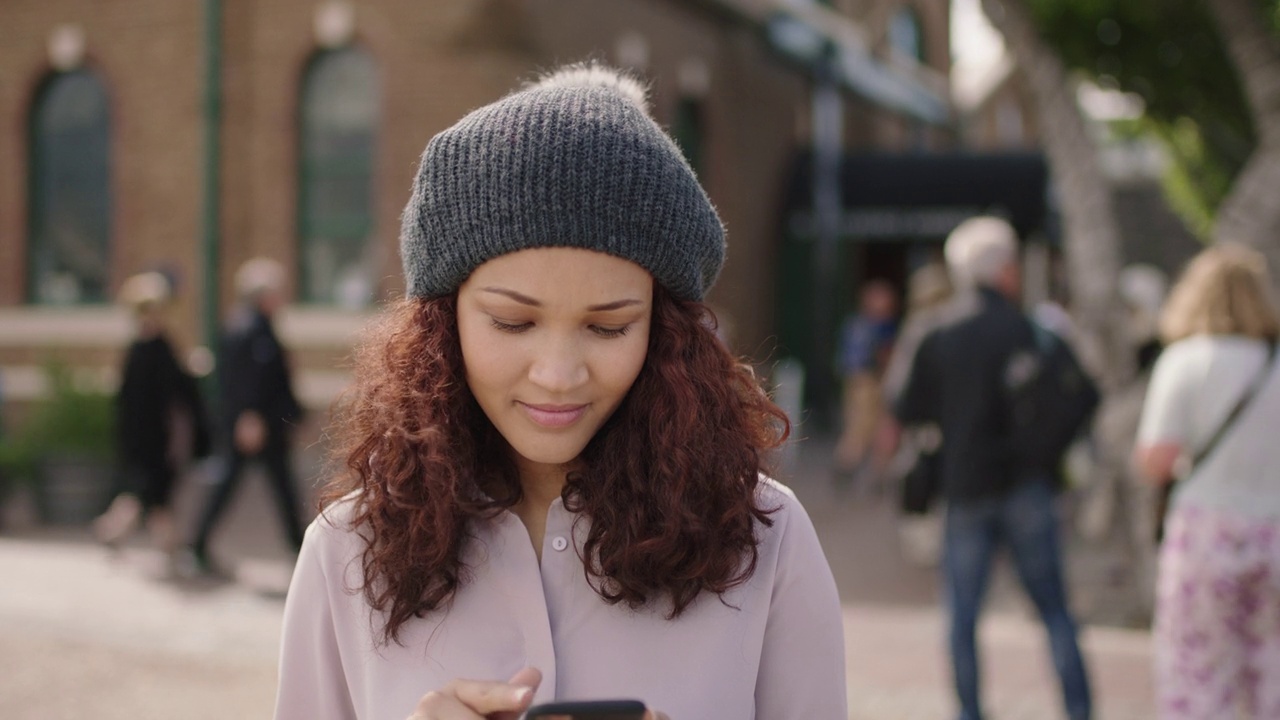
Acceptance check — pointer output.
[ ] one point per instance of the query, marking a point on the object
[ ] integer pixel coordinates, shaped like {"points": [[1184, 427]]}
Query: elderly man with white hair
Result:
{"points": [[258, 404], [959, 381]]}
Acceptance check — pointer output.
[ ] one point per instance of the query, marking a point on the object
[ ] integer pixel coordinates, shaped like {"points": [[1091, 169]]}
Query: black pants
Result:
{"points": [[280, 476]]}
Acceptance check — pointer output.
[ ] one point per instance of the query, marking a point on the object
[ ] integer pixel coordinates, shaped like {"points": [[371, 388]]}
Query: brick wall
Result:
{"points": [[435, 60], [147, 54]]}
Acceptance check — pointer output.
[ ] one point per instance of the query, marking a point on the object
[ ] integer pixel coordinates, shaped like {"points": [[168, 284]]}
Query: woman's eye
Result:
{"points": [[510, 327], [610, 332]]}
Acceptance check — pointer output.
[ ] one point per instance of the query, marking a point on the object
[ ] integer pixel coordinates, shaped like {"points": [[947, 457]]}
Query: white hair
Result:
{"points": [[145, 291], [979, 249], [257, 276]]}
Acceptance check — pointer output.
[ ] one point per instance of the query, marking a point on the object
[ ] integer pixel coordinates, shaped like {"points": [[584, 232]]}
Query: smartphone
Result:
{"points": [[588, 710]]}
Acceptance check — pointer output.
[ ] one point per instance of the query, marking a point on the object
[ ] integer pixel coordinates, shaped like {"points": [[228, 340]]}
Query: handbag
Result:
{"points": [[923, 479], [920, 484], [1165, 493]]}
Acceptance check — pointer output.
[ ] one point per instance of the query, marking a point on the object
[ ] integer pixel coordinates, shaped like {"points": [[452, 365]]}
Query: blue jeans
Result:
{"points": [[1026, 521]]}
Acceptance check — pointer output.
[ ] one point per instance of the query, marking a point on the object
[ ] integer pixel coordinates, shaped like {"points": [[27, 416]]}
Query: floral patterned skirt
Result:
{"points": [[1217, 625]]}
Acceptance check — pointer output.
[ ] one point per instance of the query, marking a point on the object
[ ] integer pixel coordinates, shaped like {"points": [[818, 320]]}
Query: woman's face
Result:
{"points": [[552, 339]]}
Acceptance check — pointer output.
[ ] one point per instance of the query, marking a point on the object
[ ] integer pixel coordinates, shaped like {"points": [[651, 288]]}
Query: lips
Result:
{"points": [[554, 416]]}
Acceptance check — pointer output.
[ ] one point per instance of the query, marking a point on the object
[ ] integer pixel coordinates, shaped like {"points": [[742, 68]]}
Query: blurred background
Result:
{"points": [[841, 140]]}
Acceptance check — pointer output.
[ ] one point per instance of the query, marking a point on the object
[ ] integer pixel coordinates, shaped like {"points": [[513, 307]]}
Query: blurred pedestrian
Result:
{"points": [[1118, 504], [160, 422], [259, 409], [1209, 424], [931, 303], [960, 380], [549, 468], [866, 340]]}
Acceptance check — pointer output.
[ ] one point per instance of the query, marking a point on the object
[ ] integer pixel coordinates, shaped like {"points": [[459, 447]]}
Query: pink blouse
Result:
{"points": [[773, 649]]}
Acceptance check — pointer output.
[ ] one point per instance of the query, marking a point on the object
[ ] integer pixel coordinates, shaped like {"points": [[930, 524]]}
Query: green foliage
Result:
{"points": [[1170, 53], [69, 420]]}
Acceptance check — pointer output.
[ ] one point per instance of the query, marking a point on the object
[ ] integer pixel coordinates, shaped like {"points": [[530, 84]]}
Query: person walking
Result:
{"points": [[1209, 424], [548, 479], [960, 380], [259, 408], [931, 303], [866, 341], [160, 423]]}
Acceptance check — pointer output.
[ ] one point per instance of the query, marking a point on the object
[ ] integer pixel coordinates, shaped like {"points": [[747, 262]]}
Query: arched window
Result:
{"points": [[69, 195], [339, 122], [687, 129], [905, 35]]}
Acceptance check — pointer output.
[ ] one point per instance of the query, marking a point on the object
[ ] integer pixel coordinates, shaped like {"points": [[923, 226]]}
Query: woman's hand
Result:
{"points": [[480, 699], [250, 433], [1158, 462]]}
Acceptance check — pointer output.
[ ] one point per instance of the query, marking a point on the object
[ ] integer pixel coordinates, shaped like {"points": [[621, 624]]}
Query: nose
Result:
{"points": [[559, 366]]}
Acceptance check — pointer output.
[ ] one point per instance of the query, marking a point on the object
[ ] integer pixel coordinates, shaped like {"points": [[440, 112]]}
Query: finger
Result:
{"points": [[655, 715], [529, 677], [442, 705], [487, 697]]}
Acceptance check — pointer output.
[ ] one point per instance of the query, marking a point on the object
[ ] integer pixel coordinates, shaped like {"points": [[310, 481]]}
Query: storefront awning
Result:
{"points": [[923, 196]]}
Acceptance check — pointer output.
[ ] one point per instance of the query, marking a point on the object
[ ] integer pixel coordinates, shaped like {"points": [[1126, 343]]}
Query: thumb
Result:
{"points": [[530, 676]]}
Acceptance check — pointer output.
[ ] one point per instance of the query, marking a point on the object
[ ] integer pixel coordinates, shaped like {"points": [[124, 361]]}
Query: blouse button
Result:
{"points": [[559, 543]]}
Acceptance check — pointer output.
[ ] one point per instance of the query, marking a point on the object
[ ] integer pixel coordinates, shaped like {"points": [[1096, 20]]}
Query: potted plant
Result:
{"points": [[63, 448]]}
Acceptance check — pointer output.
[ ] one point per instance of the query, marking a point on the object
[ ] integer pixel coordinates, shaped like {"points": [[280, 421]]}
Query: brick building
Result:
{"points": [[317, 113]]}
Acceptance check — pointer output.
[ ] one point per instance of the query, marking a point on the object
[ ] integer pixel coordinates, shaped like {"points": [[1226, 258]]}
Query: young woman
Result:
{"points": [[551, 470], [1217, 620]]}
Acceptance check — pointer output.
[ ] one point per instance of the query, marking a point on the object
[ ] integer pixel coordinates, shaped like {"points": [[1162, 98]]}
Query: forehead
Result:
{"points": [[550, 273]]}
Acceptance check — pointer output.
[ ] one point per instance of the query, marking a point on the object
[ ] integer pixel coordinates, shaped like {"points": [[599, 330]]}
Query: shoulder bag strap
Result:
{"points": [[1250, 392], [1163, 498]]}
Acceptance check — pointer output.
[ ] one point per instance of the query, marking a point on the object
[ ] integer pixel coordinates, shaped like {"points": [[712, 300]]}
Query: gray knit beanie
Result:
{"points": [[573, 160]]}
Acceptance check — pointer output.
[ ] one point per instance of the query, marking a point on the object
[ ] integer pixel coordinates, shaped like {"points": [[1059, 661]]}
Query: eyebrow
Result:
{"points": [[526, 300]]}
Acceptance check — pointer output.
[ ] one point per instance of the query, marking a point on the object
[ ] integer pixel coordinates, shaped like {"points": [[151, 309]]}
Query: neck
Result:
{"points": [[540, 484]]}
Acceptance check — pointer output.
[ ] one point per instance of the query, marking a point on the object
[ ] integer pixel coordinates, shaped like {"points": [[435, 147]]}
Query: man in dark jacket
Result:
{"points": [[258, 405], [960, 380]]}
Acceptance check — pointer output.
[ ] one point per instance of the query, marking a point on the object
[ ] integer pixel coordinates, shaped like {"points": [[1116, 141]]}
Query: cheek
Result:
{"points": [[620, 369], [487, 361]]}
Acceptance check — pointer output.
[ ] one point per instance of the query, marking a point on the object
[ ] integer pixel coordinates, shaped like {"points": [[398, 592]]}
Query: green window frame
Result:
{"points": [[338, 127], [69, 191]]}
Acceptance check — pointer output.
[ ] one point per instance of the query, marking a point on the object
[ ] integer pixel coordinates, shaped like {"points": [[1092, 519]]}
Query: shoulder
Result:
{"points": [[787, 514], [332, 537], [773, 494], [1194, 352]]}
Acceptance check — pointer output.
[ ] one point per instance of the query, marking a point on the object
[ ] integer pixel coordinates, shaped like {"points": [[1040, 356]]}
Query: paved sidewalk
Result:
{"points": [[88, 635]]}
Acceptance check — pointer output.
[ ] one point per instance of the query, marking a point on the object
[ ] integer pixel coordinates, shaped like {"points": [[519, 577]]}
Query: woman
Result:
{"points": [[160, 422], [930, 295], [551, 469], [1217, 624]]}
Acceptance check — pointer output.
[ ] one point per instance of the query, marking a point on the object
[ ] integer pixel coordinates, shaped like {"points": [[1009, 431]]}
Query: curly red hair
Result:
{"points": [[673, 504]]}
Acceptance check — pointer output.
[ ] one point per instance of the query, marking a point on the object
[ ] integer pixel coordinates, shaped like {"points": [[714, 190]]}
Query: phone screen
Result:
{"points": [[588, 710]]}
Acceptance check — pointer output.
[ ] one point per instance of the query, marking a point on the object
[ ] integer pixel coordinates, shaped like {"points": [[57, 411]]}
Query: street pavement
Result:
{"points": [[88, 634]]}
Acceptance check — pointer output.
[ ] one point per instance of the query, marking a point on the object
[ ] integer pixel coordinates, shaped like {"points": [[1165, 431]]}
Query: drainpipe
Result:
{"points": [[212, 169]]}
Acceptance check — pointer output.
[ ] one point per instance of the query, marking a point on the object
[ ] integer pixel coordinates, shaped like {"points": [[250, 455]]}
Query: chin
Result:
{"points": [[543, 455]]}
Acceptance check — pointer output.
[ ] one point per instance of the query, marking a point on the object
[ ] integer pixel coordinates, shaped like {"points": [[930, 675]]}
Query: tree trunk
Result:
{"points": [[1091, 231], [1250, 213]]}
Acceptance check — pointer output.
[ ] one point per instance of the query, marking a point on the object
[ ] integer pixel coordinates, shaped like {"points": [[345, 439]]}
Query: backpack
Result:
{"points": [[1050, 401]]}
